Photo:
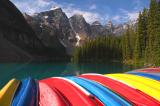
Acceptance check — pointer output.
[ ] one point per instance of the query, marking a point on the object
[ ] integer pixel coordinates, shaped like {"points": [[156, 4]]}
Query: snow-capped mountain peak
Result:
{"points": [[54, 8]]}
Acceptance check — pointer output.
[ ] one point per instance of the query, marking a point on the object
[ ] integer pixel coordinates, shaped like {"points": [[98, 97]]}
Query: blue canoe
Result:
{"points": [[27, 93], [106, 96], [157, 74], [148, 75]]}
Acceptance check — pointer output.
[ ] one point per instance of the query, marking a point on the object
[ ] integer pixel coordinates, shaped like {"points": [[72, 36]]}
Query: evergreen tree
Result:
{"points": [[141, 38], [126, 47], [157, 35], [101, 49], [150, 49]]}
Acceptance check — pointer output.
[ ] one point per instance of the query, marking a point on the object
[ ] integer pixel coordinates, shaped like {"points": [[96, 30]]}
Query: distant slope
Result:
{"points": [[10, 52]]}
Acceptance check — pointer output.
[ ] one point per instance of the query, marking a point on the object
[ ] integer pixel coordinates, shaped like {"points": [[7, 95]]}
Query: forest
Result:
{"points": [[101, 49], [139, 46]]}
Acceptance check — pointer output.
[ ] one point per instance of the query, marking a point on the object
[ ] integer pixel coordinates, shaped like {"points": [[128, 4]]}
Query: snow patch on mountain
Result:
{"points": [[55, 7]]}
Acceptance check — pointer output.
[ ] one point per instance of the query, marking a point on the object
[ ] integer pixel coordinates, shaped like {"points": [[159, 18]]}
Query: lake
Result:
{"points": [[44, 70]]}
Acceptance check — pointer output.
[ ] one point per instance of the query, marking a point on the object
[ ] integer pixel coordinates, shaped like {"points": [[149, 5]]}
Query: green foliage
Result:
{"points": [[126, 45], [153, 46], [151, 32], [141, 37], [101, 49], [147, 46]]}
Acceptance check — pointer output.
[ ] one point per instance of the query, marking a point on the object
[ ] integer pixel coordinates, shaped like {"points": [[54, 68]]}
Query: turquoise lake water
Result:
{"points": [[44, 70]]}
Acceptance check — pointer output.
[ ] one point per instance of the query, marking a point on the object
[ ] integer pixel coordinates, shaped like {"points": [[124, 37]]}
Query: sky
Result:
{"points": [[118, 11]]}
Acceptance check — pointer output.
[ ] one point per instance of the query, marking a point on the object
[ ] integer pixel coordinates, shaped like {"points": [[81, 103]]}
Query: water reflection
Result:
{"points": [[44, 70]]}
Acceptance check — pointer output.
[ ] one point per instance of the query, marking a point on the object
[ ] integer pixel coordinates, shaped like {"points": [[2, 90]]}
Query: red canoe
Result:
{"points": [[50, 96], [150, 70], [76, 95], [136, 97]]}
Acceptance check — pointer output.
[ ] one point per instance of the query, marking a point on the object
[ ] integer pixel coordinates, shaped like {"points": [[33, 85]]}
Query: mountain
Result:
{"points": [[98, 29], [14, 27], [110, 27], [18, 41], [15, 34], [80, 26], [53, 28]]}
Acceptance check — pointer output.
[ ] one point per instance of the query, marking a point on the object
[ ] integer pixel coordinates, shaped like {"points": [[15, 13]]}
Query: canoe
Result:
{"points": [[8, 91], [148, 75], [106, 96], [152, 70], [27, 93], [123, 90], [75, 94], [157, 74], [140, 83], [143, 80], [50, 96]]}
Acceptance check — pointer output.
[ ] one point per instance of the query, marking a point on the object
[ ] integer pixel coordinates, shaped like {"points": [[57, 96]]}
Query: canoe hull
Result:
{"points": [[146, 85], [8, 91], [50, 96], [148, 75], [27, 93], [123, 90], [76, 95], [105, 95], [151, 70]]}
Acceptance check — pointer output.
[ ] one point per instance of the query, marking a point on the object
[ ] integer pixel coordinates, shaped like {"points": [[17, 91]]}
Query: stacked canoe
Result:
{"points": [[135, 88]]}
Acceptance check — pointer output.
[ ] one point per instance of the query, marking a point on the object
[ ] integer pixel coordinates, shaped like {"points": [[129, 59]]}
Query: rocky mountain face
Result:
{"points": [[119, 29], [80, 26], [18, 42], [98, 29], [53, 28], [14, 27]]}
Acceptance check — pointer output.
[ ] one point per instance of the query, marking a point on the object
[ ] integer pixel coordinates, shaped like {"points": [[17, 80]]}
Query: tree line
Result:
{"points": [[100, 49], [146, 37]]}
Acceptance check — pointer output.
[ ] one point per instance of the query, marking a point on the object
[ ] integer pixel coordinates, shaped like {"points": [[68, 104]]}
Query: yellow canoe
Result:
{"points": [[8, 91], [147, 81], [143, 80], [140, 83]]}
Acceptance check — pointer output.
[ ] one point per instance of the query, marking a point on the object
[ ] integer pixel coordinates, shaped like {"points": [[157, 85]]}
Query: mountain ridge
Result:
{"points": [[79, 30]]}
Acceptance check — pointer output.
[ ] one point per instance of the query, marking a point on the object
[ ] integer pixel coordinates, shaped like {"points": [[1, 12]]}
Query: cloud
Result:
{"points": [[125, 16], [133, 15], [116, 18], [130, 15], [34, 6], [119, 19], [89, 16], [93, 7]]}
